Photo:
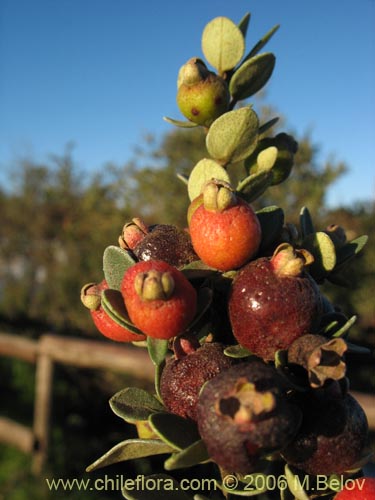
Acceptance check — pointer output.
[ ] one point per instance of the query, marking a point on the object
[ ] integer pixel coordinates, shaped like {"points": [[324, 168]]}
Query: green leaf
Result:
{"points": [[306, 223], [266, 158], [133, 404], [244, 24], [266, 126], [233, 136], [130, 450], [180, 123], [154, 487], [340, 332], [237, 351], [255, 185], [322, 248], [157, 350], [197, 270], [350, 249], [192, 455], [262, 42], [251, 76], [294, 484], [223, 44], [115, 262], [271, 221], [113, 304], [176, 431], [205, 170]]}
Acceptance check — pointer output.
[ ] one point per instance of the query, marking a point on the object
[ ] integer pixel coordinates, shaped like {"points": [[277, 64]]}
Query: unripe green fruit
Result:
{"points": [[204, 97]]}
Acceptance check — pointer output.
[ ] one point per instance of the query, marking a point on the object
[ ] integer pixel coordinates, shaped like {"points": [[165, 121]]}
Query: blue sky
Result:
{"points": [[102, 73]]}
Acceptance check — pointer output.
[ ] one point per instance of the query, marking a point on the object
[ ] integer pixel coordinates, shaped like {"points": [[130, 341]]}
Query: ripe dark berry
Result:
{"points": [[168, 243], [272, 302], [332, 435], [184, 375], [243, 413], [160, 301]]}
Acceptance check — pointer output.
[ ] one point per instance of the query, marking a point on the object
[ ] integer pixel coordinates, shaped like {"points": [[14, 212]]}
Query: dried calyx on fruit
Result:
{"points": [[273, 301], [243, 414], [187, 371], [321, 357]]}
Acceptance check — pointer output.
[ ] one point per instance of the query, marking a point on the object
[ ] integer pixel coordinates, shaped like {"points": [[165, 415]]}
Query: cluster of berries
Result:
{"points": [[249, 351]]}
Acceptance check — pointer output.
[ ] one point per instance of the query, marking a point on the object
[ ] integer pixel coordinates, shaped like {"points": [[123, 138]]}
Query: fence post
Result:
{"points": [[42, 410]]}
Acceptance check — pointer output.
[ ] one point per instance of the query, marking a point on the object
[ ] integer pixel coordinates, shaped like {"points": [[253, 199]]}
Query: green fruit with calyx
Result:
{"points": [[202, 95]]}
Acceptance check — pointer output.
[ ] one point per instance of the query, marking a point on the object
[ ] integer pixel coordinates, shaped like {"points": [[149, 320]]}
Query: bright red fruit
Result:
{"points": [[224, 229], [273, 301], [160, 300], [105, 324], [361, 488]]}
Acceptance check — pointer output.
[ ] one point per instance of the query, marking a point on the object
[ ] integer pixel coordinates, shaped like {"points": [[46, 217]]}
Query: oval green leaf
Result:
{"points": [[262, 42], [130, 450], [271, 221], [237, 351], [244, 24], [157, 350], [133, 404], [192, 455], [266, 159], [205, 170], [180, 123], [113, 304], [306, 223], [255, 185], [223, 44], [251, 76], [176, 431], [233, 136], [115, 262], [322, 248]]}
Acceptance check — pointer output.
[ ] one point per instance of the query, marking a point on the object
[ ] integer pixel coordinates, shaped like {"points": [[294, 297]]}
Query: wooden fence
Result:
{"points": [[50, 349], [46, 351]]}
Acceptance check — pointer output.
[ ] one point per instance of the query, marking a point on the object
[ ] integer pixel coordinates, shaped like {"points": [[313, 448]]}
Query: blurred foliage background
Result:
{"points": [[55, 223]]}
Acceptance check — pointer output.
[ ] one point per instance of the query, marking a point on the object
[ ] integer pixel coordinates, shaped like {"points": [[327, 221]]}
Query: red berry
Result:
{"points": [[361, 488], [160, 300], [272, 302], [224, 229], [104, 323]]}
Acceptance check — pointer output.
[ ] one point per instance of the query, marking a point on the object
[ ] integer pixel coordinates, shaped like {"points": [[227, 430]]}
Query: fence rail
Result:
{"points": [[50, 349], [44, 353]]}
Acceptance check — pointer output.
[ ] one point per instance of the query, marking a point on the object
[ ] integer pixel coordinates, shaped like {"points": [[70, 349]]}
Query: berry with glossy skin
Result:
{"points": [[361, 488], [187, 371], [273, 301], [332, 435], [160, 300], [243, 413], [168, 243], [224, 229], [90, 297]]}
